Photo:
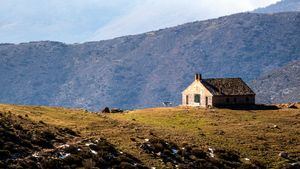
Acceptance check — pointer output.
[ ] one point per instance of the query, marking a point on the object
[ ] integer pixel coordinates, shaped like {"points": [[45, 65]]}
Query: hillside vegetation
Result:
{"points": [[279, 85], [281, 6], [178, 137], [147, 69]]}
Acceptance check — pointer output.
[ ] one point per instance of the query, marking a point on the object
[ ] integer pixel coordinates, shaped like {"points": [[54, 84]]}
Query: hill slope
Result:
{"points": [[280, 85], [146, 69], [281, 6], [26, 143], [157, 137]]}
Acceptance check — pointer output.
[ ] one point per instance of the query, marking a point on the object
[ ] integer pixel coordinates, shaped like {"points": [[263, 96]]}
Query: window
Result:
{"points": [[247, 99], [227, 100], [197, 98], [234, 100]]}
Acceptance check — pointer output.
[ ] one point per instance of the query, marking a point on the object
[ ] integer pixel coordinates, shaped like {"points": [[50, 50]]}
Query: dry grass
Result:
{"points": [[250, 132], [76, 119]]}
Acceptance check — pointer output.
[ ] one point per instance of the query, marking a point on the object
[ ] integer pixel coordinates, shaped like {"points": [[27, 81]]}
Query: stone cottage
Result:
{"points": [[217, 92]]}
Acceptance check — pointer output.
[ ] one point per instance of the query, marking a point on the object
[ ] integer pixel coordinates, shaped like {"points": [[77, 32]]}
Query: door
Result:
{"points": [[206, 101], [187, 99]]}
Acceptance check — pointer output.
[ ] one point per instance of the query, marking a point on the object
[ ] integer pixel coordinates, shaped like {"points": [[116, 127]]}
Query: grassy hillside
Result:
{"points": [[256, 136]]}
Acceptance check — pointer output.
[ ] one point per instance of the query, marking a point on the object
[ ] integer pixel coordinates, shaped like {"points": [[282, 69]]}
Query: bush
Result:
{"points": [[126, 165], [88, 163], [4, 154], [199, 153], [227, 155]]}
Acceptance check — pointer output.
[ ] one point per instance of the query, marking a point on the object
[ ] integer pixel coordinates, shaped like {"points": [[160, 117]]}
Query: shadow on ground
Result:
{"points": [[251, 107]]}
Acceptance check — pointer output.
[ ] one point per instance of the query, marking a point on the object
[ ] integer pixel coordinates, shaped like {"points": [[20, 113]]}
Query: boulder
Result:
{"points": [[116, 110], [106, 110], [283, 154]]}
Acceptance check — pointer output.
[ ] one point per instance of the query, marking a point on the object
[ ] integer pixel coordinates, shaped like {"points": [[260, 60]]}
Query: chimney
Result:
{"points": [[198, 77]]}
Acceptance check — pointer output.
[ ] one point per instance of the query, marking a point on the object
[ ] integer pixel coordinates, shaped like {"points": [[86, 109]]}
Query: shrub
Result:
{"points": [[88, 163], [4, 154]]}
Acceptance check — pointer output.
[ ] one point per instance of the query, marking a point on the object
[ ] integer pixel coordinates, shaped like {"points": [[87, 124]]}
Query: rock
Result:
{"points": [[220, 132], [174, 151], [105, 110], [94, 152], [296, 165], [167, 104], [68, 131], [64, 155], [246, 159], [192, 157], [292, 106], [283, 154], [116, 110]]}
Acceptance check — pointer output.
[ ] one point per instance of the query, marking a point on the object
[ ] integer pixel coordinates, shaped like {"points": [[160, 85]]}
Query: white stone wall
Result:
{"points": [[196, 88]]}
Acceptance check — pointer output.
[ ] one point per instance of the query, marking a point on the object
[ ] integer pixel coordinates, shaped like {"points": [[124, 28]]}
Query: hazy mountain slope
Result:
{"points": [[279, 86], [144, 70], [32, 73], [281, 6]]}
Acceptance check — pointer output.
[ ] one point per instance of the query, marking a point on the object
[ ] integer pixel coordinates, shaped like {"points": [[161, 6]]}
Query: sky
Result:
{"points": [[77, 21]]}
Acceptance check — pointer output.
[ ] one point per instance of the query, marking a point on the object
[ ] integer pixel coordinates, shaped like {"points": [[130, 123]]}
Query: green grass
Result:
{"points": [[76, 119], [169, 118]]}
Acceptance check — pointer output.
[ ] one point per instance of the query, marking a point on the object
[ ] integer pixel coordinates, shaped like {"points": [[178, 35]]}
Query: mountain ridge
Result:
{"points": [[146, 69], [281, 6], [280, 85]]}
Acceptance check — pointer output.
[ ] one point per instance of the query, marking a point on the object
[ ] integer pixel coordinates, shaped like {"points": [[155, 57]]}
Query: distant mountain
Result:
{"points": [[279, 86], [144, 70], [281, 6]]}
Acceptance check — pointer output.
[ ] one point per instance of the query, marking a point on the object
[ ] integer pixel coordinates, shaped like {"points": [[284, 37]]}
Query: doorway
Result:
{"points": [[187, 99]]}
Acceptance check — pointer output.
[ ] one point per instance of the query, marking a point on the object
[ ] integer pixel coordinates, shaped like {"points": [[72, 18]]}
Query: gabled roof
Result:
{"points": [[227, 86]]}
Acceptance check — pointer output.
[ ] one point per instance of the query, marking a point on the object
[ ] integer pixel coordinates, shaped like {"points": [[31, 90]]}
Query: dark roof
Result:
{"points": [[227, 86]]}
